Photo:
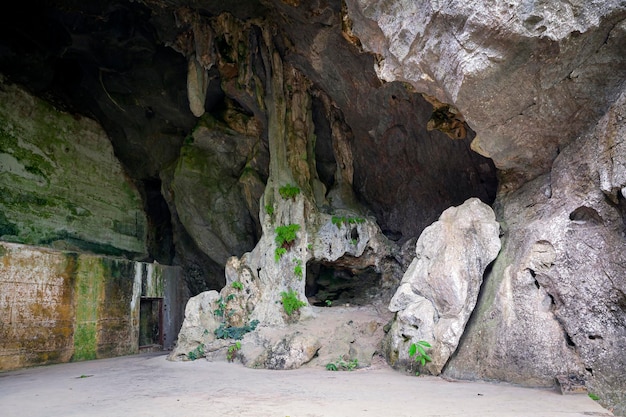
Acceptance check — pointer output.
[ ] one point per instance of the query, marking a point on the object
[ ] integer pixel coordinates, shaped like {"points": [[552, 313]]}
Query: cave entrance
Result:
{"points": [[330, 285]]}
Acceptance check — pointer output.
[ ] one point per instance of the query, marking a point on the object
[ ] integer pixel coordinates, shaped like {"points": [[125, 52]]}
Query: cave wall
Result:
{"points": [[61, 184], [135, 66]]}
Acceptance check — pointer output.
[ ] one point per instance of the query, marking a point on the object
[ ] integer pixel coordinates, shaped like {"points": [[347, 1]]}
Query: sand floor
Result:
{"points": [[150, 385]]}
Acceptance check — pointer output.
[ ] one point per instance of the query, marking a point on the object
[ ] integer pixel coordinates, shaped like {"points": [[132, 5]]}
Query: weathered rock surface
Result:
{"points": [[326, 335], [528, 77], [439, 290], [532, 79], [60, 183], [295, 79], [554, 302]]}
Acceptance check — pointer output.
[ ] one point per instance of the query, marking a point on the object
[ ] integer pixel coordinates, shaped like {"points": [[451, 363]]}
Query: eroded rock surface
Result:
{"points": [[529, 77], [439, 290], [60, 183], [554, 302]]}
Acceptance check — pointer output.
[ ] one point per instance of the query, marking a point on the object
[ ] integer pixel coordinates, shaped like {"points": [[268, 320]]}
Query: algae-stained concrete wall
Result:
{"points": [[61, 184], [63, 306]]}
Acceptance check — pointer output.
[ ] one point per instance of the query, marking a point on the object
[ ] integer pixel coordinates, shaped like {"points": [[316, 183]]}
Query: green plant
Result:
{"points": [[298, 269], [233, 332], [339, 220], [288, 191], [237, 285], [269, 209], [197, 353], [278, 253], [593, 396], [221, 305], [328, 303], [232, 351], [342, 365], [291, 302], [418, 351], [285, 235], [354, 242]]}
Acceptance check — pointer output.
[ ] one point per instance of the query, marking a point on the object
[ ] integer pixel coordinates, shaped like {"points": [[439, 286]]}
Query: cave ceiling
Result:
{"points": [[121, 63]]}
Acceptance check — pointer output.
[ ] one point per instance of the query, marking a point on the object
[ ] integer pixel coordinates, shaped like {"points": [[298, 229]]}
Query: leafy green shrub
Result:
{"points": [[232, 351], [418, 351], [288, 191], [278, 253], [297, 270], [342, 365], [269, 209], [221, 305], [237, 285], [285, 235], [197, 353], [233, 332], [291, 302]]}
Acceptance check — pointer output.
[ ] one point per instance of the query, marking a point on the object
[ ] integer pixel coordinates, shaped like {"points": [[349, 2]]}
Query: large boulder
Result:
{"points": [[538, 82], [439, 290]]}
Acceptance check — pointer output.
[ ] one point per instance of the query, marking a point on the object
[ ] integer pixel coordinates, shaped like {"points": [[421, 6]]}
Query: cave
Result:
{"points": [[328, 284], [157, 134]]}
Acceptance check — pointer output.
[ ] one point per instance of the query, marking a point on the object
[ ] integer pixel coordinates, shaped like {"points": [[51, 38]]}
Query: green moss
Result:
{"points": [[88, 293], [85, 342]]}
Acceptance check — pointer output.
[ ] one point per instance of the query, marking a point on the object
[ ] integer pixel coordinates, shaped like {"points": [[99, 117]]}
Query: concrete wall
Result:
{"points": [[63, 306]]}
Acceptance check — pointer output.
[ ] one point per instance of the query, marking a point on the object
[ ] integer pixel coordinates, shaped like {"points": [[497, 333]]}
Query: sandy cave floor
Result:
{"points": [[150, 385]]}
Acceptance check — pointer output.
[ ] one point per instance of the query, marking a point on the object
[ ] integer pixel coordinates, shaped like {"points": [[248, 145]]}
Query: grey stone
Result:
{"points": [[439, 290]]}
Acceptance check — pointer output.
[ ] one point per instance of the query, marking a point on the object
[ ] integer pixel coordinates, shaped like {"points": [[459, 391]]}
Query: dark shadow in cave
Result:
{"points": [[329, 284], [160, 235]]}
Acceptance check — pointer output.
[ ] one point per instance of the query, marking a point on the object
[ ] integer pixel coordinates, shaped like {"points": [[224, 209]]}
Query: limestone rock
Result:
{"points": [[197, 328], [518, 71], [554, 301], [60, 182], [439, 290], [289, 351], [206, 190]]}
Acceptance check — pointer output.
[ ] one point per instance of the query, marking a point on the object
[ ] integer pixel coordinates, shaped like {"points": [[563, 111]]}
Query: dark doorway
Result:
{"points": [[150, 322]]}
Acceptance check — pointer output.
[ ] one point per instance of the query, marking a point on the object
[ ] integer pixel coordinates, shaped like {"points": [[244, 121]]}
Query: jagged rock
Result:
{"points": [[439, 290], [197, 328], [518, 71], [554, 303], [289, 351]]}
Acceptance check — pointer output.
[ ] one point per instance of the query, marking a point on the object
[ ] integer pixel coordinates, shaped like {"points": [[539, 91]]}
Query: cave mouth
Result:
{"points": [[329, 285]]}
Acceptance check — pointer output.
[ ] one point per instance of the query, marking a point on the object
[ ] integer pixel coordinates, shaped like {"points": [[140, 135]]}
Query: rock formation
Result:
{"points": [[542, 86], [439, 289]]}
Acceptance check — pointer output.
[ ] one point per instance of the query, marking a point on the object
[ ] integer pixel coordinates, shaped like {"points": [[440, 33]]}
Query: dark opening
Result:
{"points": [[160, 235], [330, 285], [150, 322]]}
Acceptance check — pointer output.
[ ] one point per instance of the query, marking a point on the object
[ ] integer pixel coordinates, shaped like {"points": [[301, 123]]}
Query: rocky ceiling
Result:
{"points": [[125, 64]]}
